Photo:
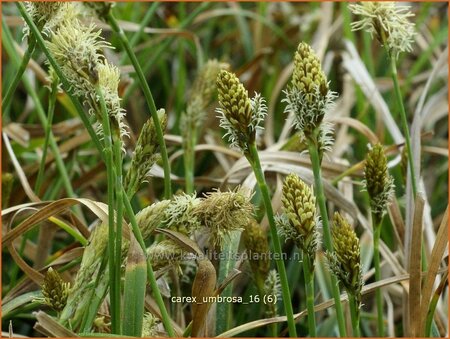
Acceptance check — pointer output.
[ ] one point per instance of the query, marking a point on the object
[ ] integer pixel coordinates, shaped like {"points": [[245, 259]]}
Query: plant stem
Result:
{"points": [[253, 158], [320, 196], [114, 277], [23, 66], [48, 129], [376, 261], [151, 277], [404, 121], [117, 146], [309, 286], [354, 314], [150, 102]]}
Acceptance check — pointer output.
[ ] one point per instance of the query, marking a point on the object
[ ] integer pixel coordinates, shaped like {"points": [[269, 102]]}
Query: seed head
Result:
{"points": [[345, 261], [308, 74], [299, 205], [55, 290], [108, 81], [145, 154], [272, 286], [258, 251], [239, 116], [378, 182], [76, 49], [151, 217], [181, 213], [388, 22], [49, 15], [309, 97], [224, 212], [150, 326]]}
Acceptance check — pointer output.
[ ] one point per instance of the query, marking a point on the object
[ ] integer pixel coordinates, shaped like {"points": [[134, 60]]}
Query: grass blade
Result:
{"points": [[134, 295]]}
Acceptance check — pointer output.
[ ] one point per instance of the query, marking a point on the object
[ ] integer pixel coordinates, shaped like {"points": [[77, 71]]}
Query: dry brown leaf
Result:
{"points": [[433, 267], [50, 327], [204, 286], [54, 208], [415, 268]]}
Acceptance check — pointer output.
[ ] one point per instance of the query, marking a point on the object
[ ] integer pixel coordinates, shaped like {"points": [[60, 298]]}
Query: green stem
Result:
{"points": [[114, 277], [253, 158], [376, 261], [117, 146], [404, 122], [76, 235], [23, 66], [151, 276], [320, 196], [150, 102], [309, 286], [354, 314], [48, 130]]}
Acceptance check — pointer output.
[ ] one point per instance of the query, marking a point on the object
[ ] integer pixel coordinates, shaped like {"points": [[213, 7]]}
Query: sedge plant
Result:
{"points": [[241, 116], [345, 263], [388, 22], [309, 98], [299, 224], [380, 187]]}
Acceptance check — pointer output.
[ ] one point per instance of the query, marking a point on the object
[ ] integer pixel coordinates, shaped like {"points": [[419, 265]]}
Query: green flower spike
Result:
{"points": [[309, 97], [55, 290], [239, 115], [378, 182], [299, 205], [345, 261]]}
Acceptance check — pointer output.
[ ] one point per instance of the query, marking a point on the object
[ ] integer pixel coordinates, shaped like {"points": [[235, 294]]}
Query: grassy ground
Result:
{"points": [[48, 156]]}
